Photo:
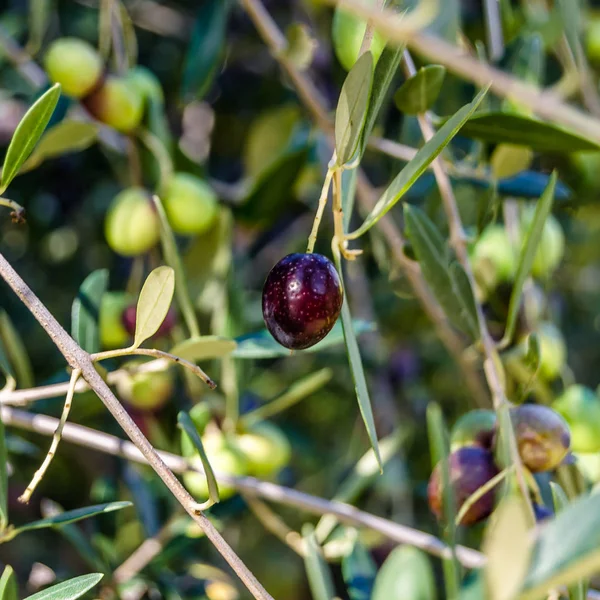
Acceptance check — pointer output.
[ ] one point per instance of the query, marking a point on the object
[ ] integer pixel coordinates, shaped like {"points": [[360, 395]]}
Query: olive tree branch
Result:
{"points": [[316, 105], [78, 359]]}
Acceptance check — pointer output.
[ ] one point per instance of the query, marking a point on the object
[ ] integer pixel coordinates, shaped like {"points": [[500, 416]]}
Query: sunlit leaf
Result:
{"points": [[27, 134], [69, 590], [153, 303]]}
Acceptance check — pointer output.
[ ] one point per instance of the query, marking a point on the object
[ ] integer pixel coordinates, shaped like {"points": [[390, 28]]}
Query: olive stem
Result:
{"points": [[338, 218], [18, 210], [320, 210], [161, 154], [132, 351], [481, 491], [39, 474], [79, 359]]}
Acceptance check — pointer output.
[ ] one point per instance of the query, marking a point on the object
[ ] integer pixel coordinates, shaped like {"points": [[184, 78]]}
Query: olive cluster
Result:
{"points": [[543, 441], [119, 101]]}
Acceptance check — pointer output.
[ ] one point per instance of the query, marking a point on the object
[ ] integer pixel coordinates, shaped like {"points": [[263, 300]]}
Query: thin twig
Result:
{"points": [[79, 359], [39, 474], [186, 364], [312, 238]]}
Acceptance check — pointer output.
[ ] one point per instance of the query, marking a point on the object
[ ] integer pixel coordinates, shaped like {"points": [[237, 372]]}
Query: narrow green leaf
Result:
{"points": [[319, 576], [385, 70], [351, 111], [8, 585], [521, 130], [527, 256], [65, 137], [447, 280], [418, 165], [567, 549], [359, 571], [3, 480], [6, 368], [73, 516], [204, 347], [28, 133], [85, 312], [187, 425], [40, 13], [349, 181], [15, 351], [356, 368], [439, 445], [153, 303], [419, 92], [571, 19], [205, 49], [262, 345], [69, 590], [173, 259], [507, 546], [406, 573]]}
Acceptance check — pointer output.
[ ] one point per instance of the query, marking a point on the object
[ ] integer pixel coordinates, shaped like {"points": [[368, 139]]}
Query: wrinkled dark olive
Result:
{"points": [[470, 467], [302, 299]]}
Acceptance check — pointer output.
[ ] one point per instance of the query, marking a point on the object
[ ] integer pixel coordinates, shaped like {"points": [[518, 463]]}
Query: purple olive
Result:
{"points": [[470, 467], [302, 299]]}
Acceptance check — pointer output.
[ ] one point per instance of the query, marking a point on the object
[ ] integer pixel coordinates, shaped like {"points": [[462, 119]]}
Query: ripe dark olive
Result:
{"points": [[470, 467], [542, 435], [302, 299]]}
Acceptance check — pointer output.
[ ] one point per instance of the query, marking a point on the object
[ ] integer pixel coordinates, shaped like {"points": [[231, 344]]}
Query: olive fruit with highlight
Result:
{"points": [[266, 449], [131, 226], [580, 407], [224, 456], [474, 428], [302, 299], [470, 467], [551, 247], [75, 64], [542, 436], [494, 258], [347, 32], [553, 350], [118, 103], [190, 203], [113, 333], [145, 390]]}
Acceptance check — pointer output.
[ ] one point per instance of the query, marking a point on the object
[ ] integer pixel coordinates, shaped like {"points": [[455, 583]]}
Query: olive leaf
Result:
{"points": [[85, 311], [418, 93], [153, 303], [15, 351], [27, 134], [70, 589], [359, 571], [351, 111], [8, 585], [204, 347], [317, 570]]}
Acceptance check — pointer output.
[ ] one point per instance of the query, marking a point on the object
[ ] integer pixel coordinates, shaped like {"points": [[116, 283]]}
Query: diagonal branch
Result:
{"points": [[80, 360]]}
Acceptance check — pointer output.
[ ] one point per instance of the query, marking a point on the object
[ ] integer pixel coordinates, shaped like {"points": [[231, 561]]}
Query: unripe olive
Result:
{"points": [[190, 203], [551, 247], [225, 457], [347, 34], [580, 407], [132, 225], [592, 39], [553, 350], [494, 257], [118, 103], [542, 436], [266, 449], [470, 467], [588, 463], [145, 390], [75, 64], [474, 428], [112, 332]]}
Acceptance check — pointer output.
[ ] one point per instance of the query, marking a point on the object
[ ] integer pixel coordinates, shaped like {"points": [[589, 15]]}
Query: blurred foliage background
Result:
{"points": [[235, 121]]}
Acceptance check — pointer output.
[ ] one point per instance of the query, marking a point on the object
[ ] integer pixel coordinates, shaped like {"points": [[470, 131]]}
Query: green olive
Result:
{"points": [[553, 350], [266, 449], [118, 103], [592, 39], [145, 391], [190, 204], [131, 226], [476, 427], [75, 64], [580, 407], [347, 36], [112, 331], [494, 257], [225, 457], [542, 436], [551, 247]]}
